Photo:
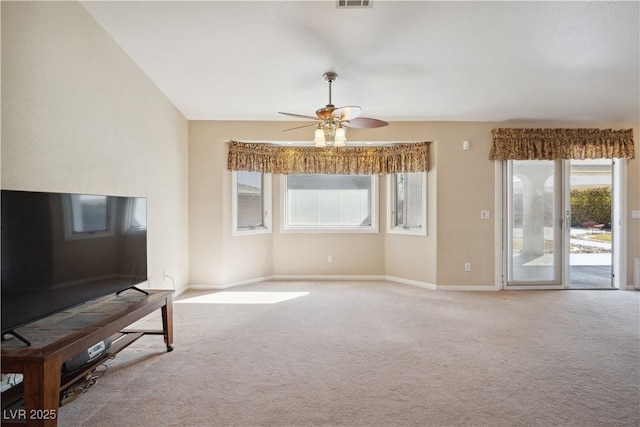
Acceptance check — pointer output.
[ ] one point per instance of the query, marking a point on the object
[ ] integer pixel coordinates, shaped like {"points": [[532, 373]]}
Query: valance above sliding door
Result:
{"points": [[288, 160], [556, 144]]}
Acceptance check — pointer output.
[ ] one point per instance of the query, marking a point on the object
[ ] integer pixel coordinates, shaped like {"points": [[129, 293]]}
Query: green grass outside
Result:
{"points": [[548, 244], [604, 237]]}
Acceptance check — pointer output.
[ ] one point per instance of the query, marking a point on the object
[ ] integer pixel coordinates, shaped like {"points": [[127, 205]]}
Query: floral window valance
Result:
{"points": [[288, 160], [554, 144]]}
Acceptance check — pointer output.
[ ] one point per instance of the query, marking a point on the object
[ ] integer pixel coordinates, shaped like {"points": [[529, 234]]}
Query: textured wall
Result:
{"points": [[79, 116]]}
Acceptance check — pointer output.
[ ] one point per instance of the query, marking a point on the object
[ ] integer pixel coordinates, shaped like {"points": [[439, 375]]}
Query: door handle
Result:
{"points": [[567, 220]]}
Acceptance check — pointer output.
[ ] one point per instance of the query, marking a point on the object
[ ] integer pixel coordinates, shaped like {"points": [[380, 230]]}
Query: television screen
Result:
{"points": [[60, 250]]}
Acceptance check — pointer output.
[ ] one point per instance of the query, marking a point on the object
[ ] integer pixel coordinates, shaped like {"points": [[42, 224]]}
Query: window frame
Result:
{"points": [[373, 228], [266, 206], [392, 227], [129, 214], [69, 209]]}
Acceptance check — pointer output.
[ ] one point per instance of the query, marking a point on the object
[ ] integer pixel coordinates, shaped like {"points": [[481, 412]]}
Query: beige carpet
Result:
{"points": [[378, 354]]}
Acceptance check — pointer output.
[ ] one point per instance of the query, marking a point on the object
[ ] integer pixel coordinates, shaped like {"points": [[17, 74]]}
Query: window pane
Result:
{"points": [[89, 213], [329, 200], [413, 200], [399, 180], [250, 204], [533, 221], [138, 218], [408, 200]]}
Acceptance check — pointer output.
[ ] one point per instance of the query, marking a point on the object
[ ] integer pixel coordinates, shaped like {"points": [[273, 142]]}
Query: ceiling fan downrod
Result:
{"points": [[330, 77]]}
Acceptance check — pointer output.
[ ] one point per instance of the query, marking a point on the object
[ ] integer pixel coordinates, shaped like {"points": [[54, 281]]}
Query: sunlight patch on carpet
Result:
{"points": [[242, 298]]}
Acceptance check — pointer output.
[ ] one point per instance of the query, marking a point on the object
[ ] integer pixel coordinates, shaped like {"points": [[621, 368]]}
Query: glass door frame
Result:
{"points": [[566, 222], [557, 282], [619, 223], [503, 172], [566, 274]]}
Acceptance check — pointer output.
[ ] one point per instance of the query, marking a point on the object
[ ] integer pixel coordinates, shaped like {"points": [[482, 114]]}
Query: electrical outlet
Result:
{"points": [[467, 266], [485, 214], [330, 259]]}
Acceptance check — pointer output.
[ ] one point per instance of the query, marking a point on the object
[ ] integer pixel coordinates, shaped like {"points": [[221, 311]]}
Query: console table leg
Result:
{"points": [[167, 323], [42, 392]]}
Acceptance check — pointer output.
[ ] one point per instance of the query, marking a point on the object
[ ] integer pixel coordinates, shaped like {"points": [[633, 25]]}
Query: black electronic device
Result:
{"points": [[60, 250], [88, 355]]}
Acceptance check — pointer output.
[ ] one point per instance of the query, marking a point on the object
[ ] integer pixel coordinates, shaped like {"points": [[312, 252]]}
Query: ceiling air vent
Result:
{"points": [[353, 4]]}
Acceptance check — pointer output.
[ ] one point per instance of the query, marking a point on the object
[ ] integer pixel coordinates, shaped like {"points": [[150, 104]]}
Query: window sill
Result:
{"points": [[251, 232], [331, 230], [408, 232]]}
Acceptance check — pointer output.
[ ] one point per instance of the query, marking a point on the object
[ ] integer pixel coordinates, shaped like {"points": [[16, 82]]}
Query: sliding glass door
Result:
{"points": [[534, 230], [591, 233], [558, 228]]}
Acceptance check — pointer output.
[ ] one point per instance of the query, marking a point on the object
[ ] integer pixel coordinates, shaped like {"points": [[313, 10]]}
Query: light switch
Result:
{"points": [[485, 214], [635, 214], [465, 145]]}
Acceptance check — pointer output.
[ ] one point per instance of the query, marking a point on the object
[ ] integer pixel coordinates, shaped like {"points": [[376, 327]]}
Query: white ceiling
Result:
{"points": [[398, 60]]}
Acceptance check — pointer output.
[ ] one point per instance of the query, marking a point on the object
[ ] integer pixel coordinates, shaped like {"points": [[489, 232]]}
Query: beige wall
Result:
{"points": [[219, 258], [79, 116], [302, 254], [460, 185]]}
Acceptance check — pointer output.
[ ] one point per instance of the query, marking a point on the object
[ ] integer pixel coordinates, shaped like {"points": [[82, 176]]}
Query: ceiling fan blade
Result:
{"points": [[300, 116], [365, 123], [347, 113], [300, 127]]}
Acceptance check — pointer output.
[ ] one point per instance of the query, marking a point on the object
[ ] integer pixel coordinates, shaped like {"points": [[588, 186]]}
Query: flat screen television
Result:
{"points": [[60, 250]]}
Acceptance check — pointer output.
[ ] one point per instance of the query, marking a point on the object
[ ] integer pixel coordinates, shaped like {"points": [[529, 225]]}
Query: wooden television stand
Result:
{"points": [[59, 337]]}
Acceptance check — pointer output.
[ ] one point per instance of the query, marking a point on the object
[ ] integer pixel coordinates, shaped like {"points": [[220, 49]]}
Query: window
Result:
{"points": [[330, 203], [87, 216], [135, 215], [251, 203], [407, 200]]}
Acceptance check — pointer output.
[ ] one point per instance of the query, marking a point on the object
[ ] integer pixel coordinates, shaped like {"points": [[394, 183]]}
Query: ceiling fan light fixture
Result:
{"points": [[340, 137], [319, 138]]}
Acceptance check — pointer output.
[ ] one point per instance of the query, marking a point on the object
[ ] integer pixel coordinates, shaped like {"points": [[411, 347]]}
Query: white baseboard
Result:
{"points": [[467, 288], [434, 287], [284, 277], [327, 277], [312, 277], [229, 285], [409, 282]]}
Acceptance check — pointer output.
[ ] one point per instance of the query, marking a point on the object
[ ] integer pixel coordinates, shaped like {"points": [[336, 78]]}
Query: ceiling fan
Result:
{"points": [[331, 121]]}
